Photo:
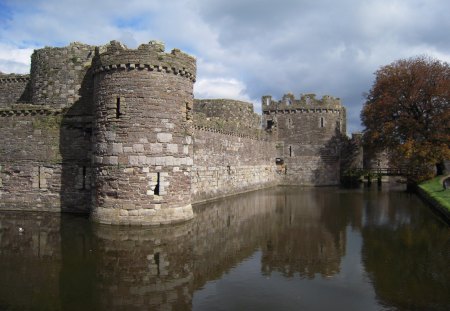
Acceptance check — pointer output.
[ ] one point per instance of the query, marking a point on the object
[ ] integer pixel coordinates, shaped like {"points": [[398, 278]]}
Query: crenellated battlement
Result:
{"points": [[307, 102], [116, 132], [151, 57], [14, 78], [28, 110]]}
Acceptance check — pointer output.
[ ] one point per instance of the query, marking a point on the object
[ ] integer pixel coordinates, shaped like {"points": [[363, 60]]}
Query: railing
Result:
{"points": [[376, 172]]}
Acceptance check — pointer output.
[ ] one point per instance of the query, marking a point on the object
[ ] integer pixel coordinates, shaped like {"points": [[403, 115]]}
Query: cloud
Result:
{"points": [[245, 49], [220, 88], [14, 60]]}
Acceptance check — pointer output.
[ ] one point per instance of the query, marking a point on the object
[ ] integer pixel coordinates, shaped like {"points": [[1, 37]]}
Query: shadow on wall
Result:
{"points": [[75, 148], [328, 170]]}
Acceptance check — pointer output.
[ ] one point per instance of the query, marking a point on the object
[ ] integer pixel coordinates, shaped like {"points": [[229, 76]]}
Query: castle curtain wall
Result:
{"points": [[13, 89], [229, 163], [30, 168], [115, 132]]}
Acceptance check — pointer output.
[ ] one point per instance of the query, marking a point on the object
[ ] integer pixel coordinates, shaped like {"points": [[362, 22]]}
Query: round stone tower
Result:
{"points": [[58, 75], [142, 146]]}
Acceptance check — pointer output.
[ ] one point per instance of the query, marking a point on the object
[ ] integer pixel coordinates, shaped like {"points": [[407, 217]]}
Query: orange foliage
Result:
{"points": [[407, 112]]}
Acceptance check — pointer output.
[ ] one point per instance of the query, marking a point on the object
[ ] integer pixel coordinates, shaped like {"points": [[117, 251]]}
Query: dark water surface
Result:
{"points": [[283, 248]]}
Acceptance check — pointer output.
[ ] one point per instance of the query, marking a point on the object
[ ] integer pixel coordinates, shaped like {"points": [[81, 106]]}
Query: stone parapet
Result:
{"points": [[14, 78], [151, 57], [306, 101]]}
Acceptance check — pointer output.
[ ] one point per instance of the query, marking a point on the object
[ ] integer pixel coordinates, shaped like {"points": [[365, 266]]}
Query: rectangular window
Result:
{"points": [[118, 113], [157, 186], [156, 259], [84, 178], [39, 177]]}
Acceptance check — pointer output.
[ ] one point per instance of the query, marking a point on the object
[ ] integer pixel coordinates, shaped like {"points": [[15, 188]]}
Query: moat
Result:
{"points": [[283, 248]]}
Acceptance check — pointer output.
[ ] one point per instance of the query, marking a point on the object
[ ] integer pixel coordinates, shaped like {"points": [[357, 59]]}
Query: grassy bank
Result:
{"points": [[435, 190]]}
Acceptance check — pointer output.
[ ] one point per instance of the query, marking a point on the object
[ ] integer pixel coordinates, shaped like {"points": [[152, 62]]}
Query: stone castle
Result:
{"points": [[117, 133]]}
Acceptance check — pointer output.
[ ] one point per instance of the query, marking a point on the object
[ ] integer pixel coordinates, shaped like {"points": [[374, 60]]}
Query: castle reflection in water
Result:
{"points": [[64, 262]]}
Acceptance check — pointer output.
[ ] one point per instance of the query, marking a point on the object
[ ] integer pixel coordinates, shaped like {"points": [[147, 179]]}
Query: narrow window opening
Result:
{"points": [[156, 191], [156, 259], [118, 113], [290, 151], [83, 187], [39, 177], [269, 124], [321, 122], [338, 125]]}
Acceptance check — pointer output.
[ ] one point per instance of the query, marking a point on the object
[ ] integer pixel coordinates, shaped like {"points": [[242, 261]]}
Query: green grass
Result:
{"points": [[435, 190]]}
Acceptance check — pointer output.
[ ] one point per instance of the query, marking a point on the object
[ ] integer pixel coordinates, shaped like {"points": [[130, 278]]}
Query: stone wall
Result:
{"points": [[227, 116], [30, 161], [227, 164], [58, 76], [115, 132], [14, 88], [44, 162], [309, 134], [142, 152]]}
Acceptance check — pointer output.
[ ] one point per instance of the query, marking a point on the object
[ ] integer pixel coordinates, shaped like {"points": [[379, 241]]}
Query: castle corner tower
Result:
{"points": [[142, 145]]}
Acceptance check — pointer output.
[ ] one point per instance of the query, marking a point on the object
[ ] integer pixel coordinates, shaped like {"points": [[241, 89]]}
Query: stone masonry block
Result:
{"points": [[156, 148], [138, 148], [133, 160], [112, 160], [164, 137], [169, 125], [117, 148], [109, 135], [172, 148]]}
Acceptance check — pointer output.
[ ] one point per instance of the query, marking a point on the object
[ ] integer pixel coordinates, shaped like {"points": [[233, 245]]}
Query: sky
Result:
{"points": [[245, 48]]}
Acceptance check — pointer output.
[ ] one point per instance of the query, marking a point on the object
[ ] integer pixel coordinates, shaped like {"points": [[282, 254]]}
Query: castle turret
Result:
{"points": [[58, 76], [142, 152]]}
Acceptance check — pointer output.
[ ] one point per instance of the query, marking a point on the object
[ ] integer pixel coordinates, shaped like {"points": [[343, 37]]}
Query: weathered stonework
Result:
{"points": [[309, 134], [115, 132], [140, 101]]}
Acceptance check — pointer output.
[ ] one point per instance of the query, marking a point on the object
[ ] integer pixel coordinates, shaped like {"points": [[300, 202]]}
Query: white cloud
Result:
{"points": [[245, 49], [13, 59], [220, 88]]}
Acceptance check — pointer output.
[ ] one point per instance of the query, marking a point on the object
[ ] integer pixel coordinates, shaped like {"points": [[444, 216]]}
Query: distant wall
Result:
{"points": [[226, 163], [308, 133], [14, 88], [227, 114]]}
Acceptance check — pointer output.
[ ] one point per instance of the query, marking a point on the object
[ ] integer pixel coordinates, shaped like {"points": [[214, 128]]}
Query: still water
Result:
{"points": [[284, 248]]}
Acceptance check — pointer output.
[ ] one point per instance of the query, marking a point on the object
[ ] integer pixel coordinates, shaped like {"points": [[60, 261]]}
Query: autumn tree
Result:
{"points": [[407, 113]]}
